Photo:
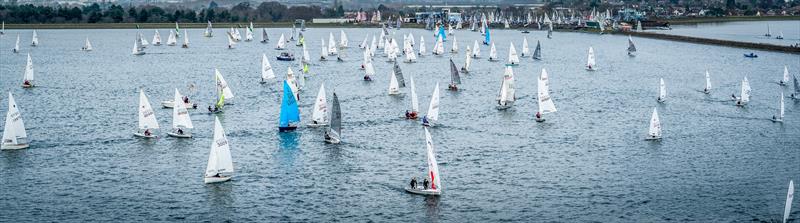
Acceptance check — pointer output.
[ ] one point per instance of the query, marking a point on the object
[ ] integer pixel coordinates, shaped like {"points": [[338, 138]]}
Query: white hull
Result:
{"points": [[661, 100], [653, 138], [176, 135], [423, 192], [14, 146], [139, 134], [317, 124], [777, 120], [210, 180], [333, 141], [171, 104]]}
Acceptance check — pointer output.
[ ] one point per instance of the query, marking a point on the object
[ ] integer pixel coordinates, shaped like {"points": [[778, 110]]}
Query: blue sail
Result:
{"points": [[289, 110], [488, 36], [442, 33]]}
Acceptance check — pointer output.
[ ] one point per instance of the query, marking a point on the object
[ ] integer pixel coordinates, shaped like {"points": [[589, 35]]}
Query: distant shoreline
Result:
{"points": [[695, 20], [190, 25], [679, 21]]}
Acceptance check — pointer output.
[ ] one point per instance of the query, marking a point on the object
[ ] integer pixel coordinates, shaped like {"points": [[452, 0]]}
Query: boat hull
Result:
{"points": [[287, 128], [151, 136], [423, 192], [177, 135], [653, 138], [171, 104], [285, 58], [317, 124], [211, 180], [14, 146]]}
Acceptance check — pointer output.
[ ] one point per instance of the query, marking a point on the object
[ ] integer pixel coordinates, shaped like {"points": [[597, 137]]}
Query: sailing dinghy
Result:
{"points": [[87, 46], [455, 79], [785, 79], [654, 133], [707, 89], [492, 53], [433, 109], [264, 35], [662, 91], [281, 43], [476, 50], [414, 102], [513, 59], [435, 188], [157, 39], [16, 46], [137, 49], [745, 97], [181, 122], [537, 53], [590, 61], [171, 40], [220, 163], [796, 94], [467, 60], [290, 114], [525, 49], [319, 117], [779, 117], [14, 135], [334, 133], [545, 101], [35, 39], [789, 197], [266, 69], [209, 30], [507, 93], [27, 78], [147, 118], [223, 87], [631, 47], [185, 39]]}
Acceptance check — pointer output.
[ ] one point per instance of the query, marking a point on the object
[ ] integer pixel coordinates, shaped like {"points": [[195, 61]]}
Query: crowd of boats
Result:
{"points": [[220, 164]]}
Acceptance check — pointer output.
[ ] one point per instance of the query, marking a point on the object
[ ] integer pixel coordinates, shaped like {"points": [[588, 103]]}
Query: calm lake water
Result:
{"points": [[588, 162], [750, 31]]}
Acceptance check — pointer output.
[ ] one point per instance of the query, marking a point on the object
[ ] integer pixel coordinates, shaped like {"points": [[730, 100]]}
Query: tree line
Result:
{"points": [[95, 13]]}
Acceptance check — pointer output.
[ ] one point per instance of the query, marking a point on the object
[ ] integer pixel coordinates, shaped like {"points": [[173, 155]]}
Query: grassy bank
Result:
{"points": [[185, 25], [730, 19]]}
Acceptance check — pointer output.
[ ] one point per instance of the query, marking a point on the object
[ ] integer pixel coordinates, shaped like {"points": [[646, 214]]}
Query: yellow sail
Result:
{"points": [[221, 101]]}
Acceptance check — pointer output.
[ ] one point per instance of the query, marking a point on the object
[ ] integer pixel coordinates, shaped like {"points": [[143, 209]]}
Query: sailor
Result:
{"points": [[408, 115], [413, 182], [209, 109], [147, 132], [538, 115], [180, 131], [27, 82], [185, 99], [425, 183], [425, 120]]}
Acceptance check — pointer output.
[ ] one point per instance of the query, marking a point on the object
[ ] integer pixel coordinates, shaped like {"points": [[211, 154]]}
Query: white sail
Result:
{"points": [[789, 197], [137, 50], [156, 39], [35, 39], [171, 41], [147, 117], [708, 82], [28, 76], [320, 114], [655, 126], [16, 45], [343, 40], [185, 38], [779, 116], [590, 62], [507, 91], [266, 68], [248, 33], [369, 70], [433, 109], [331, 45], [14, 134], [745, 91], [231, 42], [306, 56], [476, 50], [414, 100], [512, 54], [545, 101], [394, 86], [525, 49], [439, 48], [467, 60], [88, 45], [493, 52], [219, 158], [785, 75], [144, 41], [363, 44], [421, 45], [662, 90], [281, 42], [180, 116], [209, 31], [454, 49], [222, 85], [433, 166], [324, 53]]}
